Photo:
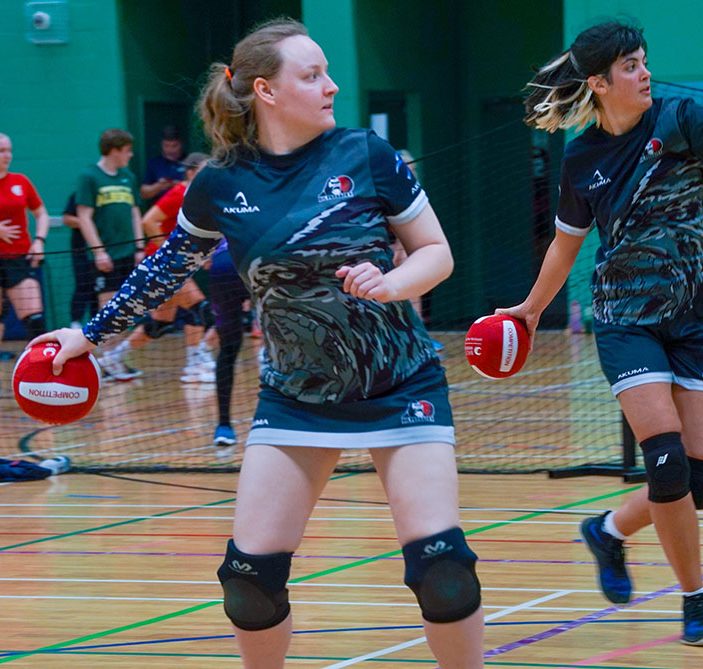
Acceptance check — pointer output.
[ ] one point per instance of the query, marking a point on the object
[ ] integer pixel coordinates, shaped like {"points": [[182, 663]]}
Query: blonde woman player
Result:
{"points": [[306, 209], [636, 174]]}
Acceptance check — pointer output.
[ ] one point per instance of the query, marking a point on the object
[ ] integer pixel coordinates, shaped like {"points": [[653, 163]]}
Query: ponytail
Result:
{"points": [[560, 97], [226, 104], [228, 118]]}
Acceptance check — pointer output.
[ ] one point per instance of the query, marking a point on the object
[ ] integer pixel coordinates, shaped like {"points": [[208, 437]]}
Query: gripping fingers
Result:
{"points": [[360, 279]]}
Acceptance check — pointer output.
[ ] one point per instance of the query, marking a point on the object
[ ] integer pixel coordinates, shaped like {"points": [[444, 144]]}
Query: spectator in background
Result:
{"points": [[158, 223], [19, 254], [165, 170], [83, 294], [228, 295], [107, 201]]}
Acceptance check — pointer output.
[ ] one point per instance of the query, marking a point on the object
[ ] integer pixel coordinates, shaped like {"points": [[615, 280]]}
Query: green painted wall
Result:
{"points": [[333, 25], [55, 101], [675, 51]]}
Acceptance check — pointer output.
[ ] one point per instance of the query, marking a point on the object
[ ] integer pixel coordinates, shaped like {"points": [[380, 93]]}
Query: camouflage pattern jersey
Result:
{"points": [[291, 221], [643, 191]]}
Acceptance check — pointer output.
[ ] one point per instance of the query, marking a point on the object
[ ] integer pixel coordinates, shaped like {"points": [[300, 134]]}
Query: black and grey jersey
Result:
{"points": [[291, 222], [643, 191]]}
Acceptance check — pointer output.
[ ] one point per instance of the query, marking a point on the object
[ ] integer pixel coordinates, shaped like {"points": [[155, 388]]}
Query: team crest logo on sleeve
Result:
{"points": [[337, 188], [654, 149], [420, 411], [402, 167]]}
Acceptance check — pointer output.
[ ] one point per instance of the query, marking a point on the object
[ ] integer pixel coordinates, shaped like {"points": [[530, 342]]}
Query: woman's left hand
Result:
{"points": [[368, 282], [36, 252]]}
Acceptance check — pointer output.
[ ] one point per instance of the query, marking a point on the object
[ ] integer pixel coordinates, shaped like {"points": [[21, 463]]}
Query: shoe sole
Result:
{"points": [[698, 643], [600, 585], [224, 442]]}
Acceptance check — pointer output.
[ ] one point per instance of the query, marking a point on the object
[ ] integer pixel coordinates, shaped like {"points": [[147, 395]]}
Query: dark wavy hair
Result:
{"points": [[559, 95]]}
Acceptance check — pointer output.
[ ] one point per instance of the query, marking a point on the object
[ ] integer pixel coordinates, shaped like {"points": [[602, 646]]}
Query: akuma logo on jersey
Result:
{"points": [[17, 190], [420, 411], [598, 180], [337, 188], [241, 206], [654, 149]]}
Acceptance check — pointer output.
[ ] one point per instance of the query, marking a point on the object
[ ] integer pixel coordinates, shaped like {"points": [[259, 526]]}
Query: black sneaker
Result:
{"points": [[609, 552], [693, 620]]}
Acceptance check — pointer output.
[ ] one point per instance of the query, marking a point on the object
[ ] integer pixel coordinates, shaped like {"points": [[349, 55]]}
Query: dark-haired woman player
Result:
{"points": [[636, 174], [306, 210]]}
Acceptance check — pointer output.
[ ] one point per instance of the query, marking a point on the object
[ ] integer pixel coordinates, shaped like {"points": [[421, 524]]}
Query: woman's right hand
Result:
{"points": [[523, 312], [103, 261], [8, 232], [73, 343]]}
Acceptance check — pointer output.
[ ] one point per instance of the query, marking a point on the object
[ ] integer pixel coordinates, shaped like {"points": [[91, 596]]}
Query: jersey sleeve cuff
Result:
{"points": [[184, 223], [411, 212], [571, 229]]}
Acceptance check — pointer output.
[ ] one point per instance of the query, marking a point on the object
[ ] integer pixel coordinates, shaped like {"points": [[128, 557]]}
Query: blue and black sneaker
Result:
{"points": [[693, 620], [224, 436], [609, 552]]}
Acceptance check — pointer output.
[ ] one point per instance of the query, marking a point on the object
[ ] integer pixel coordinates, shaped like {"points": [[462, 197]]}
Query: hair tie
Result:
{"points": [[228, 73]]}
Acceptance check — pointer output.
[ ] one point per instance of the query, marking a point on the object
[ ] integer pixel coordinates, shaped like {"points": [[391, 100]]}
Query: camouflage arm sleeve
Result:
{"points": [[152, 282]]}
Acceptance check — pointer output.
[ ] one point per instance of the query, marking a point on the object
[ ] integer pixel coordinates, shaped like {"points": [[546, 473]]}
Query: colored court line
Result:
{"points": [[300, 579], [485, 528], [140, 519], [122, 523], [619, 652], [573, 624]]}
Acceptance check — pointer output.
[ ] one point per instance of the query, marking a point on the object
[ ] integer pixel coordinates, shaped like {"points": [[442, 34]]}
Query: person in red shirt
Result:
{"points": [[19, 254], [158, 224]]}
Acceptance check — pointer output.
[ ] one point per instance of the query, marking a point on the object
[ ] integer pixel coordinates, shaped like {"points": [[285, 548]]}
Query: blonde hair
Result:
{"points": [[226, 104], [559, 95]]}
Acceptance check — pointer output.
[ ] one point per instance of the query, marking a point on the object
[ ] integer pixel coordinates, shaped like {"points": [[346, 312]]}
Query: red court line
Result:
{"points": [[619, 652]]}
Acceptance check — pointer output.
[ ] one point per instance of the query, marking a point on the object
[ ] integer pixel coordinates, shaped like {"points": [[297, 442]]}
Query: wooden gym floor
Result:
{"points": [[119, 572]]}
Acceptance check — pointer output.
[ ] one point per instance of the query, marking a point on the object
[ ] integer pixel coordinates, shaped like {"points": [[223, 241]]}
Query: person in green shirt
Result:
{"points": [[107, 199]]}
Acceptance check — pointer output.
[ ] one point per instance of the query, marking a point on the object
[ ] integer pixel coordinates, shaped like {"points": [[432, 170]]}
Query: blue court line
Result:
{"points": [[379, 628], [404, 661]]}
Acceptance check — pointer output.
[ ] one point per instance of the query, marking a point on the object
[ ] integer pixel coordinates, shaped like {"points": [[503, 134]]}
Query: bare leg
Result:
{"points": [[271, 523], [634, 513], [26, 298], [421, 483], [650, 410]]}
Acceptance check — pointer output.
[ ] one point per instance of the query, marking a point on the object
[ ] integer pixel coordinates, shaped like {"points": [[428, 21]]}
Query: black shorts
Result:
{"points": [[15, 270], [110, 282], [670, 352]]}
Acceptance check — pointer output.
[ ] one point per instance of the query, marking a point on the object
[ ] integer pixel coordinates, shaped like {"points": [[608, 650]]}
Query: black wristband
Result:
{"points": [[40, 238]]}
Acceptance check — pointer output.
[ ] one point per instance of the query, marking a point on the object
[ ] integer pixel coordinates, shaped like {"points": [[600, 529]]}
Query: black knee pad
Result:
{"points": [[34, 324], [441, 571], [155, 329], [200, 314], [256, 597], [696, 481], [666, 464]]}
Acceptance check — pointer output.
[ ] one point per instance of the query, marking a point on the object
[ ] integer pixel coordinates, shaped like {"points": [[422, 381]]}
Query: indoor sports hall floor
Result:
{"points": [[120, 572]]}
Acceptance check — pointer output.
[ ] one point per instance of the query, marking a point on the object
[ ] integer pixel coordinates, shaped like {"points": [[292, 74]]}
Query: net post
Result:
{"points": [[627, 469]]}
